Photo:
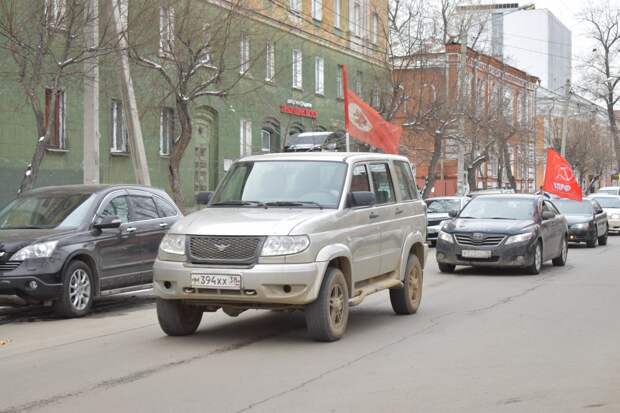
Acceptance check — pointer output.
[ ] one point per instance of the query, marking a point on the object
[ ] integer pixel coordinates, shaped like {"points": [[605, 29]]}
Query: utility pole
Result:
{"points": [[460, 159], [567, 91], [130, 107], [92, 135]]}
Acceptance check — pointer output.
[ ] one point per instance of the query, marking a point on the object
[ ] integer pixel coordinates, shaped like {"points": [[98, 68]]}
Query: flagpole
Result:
{"points": [[345, 87]]}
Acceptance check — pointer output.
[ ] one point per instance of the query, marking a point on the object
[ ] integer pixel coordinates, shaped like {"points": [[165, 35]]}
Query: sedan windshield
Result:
{"points": [[443, 205], [608, 202], [486, 207], [570, 207], [311, 184], [42, 211]]}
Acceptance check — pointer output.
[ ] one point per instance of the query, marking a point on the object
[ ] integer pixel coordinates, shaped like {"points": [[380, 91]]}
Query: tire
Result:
{"points": [[406, 300], [177, 318], [592, 243], [446, 268], [536, 265], [327, 317], [560, 260], [603, 239], [77, 293]]}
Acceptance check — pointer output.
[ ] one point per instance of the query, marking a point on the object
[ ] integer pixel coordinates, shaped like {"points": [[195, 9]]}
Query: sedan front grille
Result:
{"points": [[225, 250], [479, 239], [9, 266]]}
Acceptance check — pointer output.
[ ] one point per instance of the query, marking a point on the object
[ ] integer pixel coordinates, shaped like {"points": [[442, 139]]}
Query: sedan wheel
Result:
{"points": [[560, 261], [328, 315], [77, 291], [536, 265]]}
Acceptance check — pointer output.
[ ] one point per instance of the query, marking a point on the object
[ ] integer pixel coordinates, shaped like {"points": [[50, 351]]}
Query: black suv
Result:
{"points": [[68, 244]]}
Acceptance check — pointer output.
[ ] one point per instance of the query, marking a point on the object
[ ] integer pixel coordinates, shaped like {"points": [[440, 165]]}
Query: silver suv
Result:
{"points": [[316, 232]]}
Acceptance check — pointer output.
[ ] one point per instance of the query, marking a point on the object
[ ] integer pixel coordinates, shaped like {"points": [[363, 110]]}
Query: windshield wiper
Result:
{"points": [[510, 219], [29, 227], [294, 203], [239, 203]]}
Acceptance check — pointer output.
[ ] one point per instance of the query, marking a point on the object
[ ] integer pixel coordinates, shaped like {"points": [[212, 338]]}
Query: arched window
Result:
{"points": [[270, 135]]}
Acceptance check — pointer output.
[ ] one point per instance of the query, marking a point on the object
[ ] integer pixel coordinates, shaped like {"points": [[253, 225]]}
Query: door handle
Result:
{"points": [[130, 230], [373, 215], [163, 225], [399, 211]]}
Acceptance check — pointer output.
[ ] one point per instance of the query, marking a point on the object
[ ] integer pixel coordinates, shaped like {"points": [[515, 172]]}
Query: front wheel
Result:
{"points": [[76, 298], [446, 268], [560, 260], [591, 243], [177, 318], [536, 265], [602, 240], [406, 300], [327, 317]]}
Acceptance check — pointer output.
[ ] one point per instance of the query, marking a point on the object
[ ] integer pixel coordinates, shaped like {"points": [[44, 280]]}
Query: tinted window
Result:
{"points": [[117, 207], [568, 207], [609, 202], [547, 206], [359, 181], [443, 205], [143, 208], [165, 209], [406, 183], [46, 211], [486, 207], [382, 183]]}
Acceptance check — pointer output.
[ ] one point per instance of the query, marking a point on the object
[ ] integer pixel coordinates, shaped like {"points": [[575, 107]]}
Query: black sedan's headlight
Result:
{"points": [[581, 226], [514, 239]]}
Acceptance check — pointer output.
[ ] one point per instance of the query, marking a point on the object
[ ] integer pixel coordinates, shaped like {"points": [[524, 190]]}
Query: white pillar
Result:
{"points": [[91, 97]]}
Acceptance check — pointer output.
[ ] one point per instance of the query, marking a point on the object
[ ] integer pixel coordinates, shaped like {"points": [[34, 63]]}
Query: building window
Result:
{"points": [[166, 130], [297, 69], [295, 6], [119, 128], [319, 75], [166, 31], [339, 84], [337, 13], [265, 139], [375, 100], [270, 69], [374, 34], [55, 13], [357, 18], [317, 10], [58, 136], [244, 65], [358, 84], [245, 138]]}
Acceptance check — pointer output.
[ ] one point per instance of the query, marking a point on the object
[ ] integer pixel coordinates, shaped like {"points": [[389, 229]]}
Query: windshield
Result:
{"points": [[610, 191], [283, 183], [485, 207], [570, 207], [43, 211], [608, 202], [442, 205]]}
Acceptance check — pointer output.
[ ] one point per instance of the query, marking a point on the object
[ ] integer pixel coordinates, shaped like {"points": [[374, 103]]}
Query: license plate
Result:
{"points": [[476, 254], [216, 281]]}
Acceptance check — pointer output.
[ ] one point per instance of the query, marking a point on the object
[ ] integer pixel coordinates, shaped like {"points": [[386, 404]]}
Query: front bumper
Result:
{"points": [[514, 255], [47, 286], [614, 224], [262, 284], [581, 235]]}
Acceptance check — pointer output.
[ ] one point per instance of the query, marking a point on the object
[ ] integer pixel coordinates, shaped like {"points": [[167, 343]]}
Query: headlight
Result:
{"points": [[583, 225], [173, 244], [615, 216], [520, 238], [40, 250], [444, 236], [285, 245]]}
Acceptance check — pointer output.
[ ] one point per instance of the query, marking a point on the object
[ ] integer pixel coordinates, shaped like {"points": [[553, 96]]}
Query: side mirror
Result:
{"points": [[203, 198], [361, 199], [546, 215], [453, 213], [108, 222]]}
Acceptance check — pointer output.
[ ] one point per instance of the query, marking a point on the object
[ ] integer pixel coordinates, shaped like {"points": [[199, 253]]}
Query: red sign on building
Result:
{"points": [[298, 111]]}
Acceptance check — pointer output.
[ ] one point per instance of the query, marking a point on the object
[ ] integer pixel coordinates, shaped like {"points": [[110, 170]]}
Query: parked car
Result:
{"points": [[587, 221], [504, 231], [69, 244], [611, 206], [438, 211], [610, 190], [492, 191], [316, 232]]}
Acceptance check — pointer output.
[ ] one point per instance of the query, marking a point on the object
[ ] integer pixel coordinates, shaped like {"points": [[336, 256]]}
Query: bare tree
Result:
{"points": [[601, 72], [47, 45]]}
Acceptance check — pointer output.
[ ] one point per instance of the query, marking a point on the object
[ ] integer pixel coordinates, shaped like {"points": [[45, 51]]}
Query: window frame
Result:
{"points": [[338, 14], [166, 31], [132, 213], [390, 180], [297, 65], [106, 200], [317, 10], [245, 137], [270, 61], [58, 137], [116, 110], [319, 75], [244, 53], [157, 198], [412, 185]]}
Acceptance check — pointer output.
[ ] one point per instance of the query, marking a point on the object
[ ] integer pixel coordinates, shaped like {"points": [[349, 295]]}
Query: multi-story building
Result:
{"points": [[281, 63], [491, 118]]}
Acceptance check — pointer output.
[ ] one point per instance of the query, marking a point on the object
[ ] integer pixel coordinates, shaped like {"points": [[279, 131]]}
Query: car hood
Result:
{"points": [[501, 226], [11, 240], [612, 211], [434, 216], [244, 221], [578, 218]]}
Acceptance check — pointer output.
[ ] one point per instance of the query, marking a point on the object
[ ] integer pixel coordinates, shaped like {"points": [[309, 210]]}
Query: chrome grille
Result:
{"points": [[225, 250], [482, 240], [9, 265]]}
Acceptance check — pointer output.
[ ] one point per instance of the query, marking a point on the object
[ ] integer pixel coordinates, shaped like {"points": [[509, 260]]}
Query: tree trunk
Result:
{"points": [[511, 179], [179, 146], [500, 168], [432, 168]]}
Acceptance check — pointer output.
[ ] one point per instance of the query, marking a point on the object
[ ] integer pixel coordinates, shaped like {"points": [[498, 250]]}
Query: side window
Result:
{"points": [[165, 209], [382, 183], [117, 207], [143, 208], [548, 207], [406, 183], [359, 181]]}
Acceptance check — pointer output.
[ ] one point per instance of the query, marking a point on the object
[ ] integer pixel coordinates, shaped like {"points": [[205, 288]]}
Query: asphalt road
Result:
{"points": [[481, 342]]}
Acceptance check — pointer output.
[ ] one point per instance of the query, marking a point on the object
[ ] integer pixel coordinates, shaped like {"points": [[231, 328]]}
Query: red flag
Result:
{"points": [[366, 124], [559, 177]]}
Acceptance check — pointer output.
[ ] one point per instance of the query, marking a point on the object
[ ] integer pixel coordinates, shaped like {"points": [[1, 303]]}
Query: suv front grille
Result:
{"points": [[9, 266], [487, 240], [224, 250]]}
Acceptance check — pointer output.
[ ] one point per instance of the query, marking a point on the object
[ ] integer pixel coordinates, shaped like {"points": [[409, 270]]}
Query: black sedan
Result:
{"points": [[504, 231], [67, 244], [587, 221]]}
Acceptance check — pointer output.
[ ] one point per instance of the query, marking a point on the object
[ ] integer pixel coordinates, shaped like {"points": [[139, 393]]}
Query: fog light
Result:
{"points": [[167, 284], [33, 285]]}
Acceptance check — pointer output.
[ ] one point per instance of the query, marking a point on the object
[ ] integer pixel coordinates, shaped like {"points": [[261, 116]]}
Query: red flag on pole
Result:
{"points": [[366, 124], [559, 177]]}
